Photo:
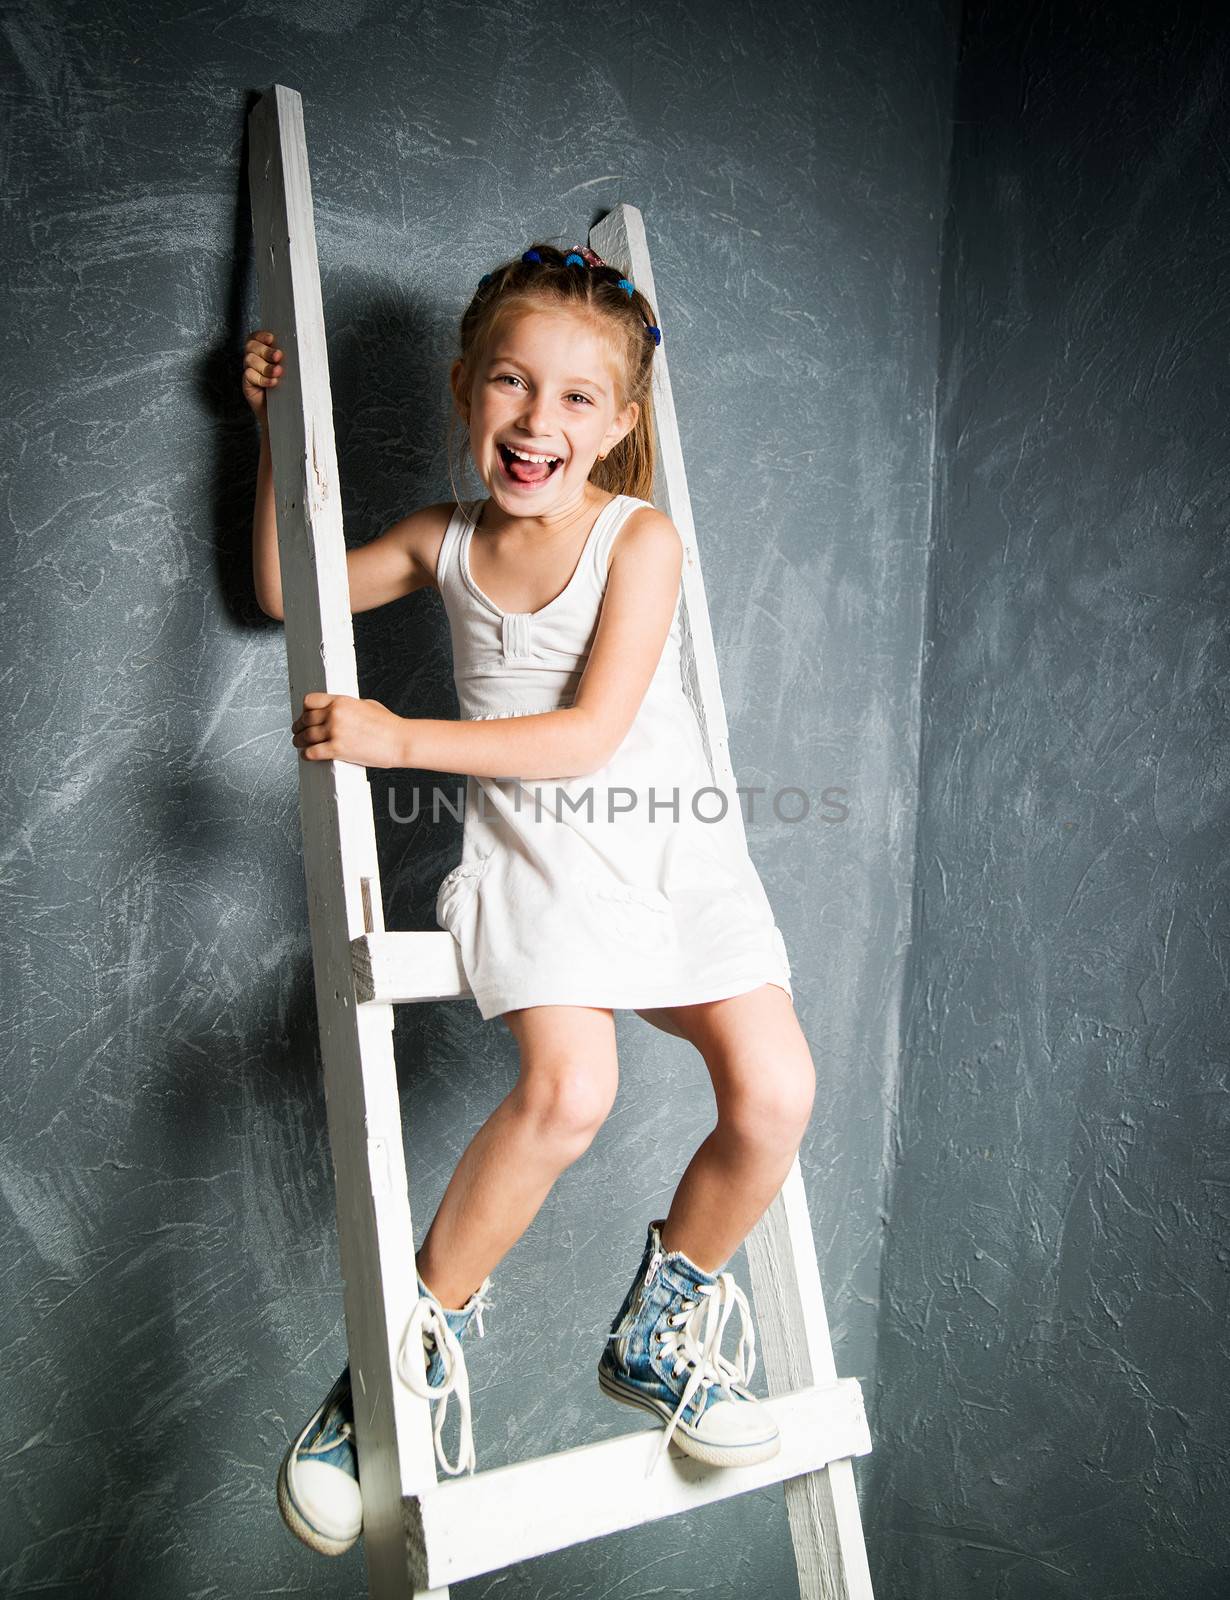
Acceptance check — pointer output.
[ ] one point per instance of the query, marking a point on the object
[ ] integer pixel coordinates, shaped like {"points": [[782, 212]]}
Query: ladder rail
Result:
{"points": [[375, 1236], [822, 1506]]}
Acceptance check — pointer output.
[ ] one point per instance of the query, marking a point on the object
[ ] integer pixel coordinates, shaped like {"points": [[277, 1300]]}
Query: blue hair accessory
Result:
{"points": [[582, 256]]}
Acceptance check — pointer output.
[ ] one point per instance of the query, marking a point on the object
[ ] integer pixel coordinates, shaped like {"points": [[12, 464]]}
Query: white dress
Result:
{"points": [[608, 889]]}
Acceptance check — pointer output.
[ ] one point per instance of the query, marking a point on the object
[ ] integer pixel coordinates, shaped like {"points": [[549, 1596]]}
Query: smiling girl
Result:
{"points": [[599, 870]]}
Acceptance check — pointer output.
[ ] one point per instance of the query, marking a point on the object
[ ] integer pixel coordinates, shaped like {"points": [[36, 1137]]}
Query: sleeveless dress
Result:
{"points": [[614, 888]]}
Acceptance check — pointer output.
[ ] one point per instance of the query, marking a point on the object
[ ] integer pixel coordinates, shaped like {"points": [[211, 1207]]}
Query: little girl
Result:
{"points": [[611, 886]]}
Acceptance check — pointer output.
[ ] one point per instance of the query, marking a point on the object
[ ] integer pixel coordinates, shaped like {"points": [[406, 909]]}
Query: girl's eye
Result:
{"points": [[513, 378]]}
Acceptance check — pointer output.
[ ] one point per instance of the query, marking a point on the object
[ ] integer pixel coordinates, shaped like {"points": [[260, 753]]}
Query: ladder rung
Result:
{"points": [[390, 968], [473, 1524]]}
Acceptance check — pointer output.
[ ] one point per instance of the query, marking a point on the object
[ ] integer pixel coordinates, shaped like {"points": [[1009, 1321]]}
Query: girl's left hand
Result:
{"points": [[337, 727]]}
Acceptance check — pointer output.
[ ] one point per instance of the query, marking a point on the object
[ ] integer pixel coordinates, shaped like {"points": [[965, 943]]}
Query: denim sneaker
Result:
{"points": [[441, 1330], [318, 1481], [663, 1353]]}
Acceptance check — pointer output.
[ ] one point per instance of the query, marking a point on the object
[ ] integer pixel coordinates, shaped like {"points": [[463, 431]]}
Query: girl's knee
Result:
{"points": [[569, 1101], [772, 1107]]}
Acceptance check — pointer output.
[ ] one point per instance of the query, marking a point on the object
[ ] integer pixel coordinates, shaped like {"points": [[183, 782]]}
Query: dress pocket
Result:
{"points": [[456, 891]]}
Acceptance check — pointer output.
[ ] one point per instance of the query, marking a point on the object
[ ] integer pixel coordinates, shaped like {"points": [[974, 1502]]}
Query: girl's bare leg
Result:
{"points": [[569, 1075], [764, 1082]]}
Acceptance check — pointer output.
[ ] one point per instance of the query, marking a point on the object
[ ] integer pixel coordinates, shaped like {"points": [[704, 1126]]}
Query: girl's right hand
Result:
{"points": [[262, 367]]}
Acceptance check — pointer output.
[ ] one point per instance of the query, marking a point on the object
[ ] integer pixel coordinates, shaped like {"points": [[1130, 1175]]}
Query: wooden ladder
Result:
{"points": [[420, 1533]]}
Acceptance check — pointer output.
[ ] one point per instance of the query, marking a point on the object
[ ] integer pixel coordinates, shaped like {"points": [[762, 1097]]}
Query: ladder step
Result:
{"points": [[469, 1525], [391, 968]]}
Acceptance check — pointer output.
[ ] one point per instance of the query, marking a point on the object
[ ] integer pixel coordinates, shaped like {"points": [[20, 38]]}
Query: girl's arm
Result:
{"points": [[639, 603], [266, 572], [394, 564], [637, 608]]}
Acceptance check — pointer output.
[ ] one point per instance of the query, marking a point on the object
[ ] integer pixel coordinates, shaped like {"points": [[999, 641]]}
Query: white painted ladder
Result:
{"points": [[420, 1533]]}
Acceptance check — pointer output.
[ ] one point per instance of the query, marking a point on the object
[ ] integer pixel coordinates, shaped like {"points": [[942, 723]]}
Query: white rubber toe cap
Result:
{"points": [[736, 1422], [329, 1499]]}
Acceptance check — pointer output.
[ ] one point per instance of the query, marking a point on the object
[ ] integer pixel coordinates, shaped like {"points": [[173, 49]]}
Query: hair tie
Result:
{"points": [[583, 256]]}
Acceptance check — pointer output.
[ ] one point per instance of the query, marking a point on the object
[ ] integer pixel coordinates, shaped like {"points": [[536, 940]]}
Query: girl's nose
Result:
{"points": [[536, 415]]}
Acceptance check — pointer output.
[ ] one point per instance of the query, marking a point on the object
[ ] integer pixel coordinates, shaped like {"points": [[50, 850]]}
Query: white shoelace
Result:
{"points": [[704, 1354], [428, 1317]]}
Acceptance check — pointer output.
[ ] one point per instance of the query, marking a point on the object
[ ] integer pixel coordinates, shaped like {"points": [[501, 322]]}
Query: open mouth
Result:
{"points": [[527, 469]]}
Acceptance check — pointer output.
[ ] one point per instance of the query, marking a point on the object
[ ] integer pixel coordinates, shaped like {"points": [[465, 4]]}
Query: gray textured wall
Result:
{"points": [[1053, 1378], [172, 1305]]}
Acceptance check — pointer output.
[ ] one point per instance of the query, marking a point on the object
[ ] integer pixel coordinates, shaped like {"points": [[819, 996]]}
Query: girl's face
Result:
{"points": [[546, 386]]}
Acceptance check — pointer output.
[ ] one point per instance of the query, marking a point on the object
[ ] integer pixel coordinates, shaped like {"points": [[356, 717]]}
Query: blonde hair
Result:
{"points": [[517, 286]]}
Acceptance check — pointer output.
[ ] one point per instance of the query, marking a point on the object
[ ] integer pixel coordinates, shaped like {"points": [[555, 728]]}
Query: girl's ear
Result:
{"points": [[621, 425]]}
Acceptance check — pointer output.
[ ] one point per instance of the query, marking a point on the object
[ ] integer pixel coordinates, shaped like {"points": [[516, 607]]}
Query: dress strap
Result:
{"points": [[613, 517], [447, 570]]}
